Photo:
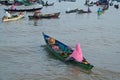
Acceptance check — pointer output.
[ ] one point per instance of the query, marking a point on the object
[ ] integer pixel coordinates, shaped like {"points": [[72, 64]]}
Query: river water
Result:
{"points": [[23, 57]]}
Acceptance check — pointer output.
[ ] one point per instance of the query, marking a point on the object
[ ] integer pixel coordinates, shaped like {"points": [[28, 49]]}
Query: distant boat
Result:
{"points": [[45, 16], [62, 51], [72, 11], [23, 10], [13, 18]]}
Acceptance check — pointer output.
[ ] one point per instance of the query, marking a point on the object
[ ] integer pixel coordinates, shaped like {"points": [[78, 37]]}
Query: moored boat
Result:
{"points": [[62, 51], [47, 16]]}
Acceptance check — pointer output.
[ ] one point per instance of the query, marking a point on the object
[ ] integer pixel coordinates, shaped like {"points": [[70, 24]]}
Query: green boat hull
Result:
{"points": [[62, 58]]}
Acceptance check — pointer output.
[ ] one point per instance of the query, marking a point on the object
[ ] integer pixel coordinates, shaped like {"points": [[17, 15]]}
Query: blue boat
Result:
{"points": [[62, 52]]}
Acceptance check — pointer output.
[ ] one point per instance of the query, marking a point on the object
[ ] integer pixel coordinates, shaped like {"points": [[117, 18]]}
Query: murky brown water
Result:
{"points": [[23, 58]]}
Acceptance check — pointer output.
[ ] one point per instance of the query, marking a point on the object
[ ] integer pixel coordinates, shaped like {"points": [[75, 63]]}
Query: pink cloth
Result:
{"points": [[55, 47], [12, 7], [77, 53]]}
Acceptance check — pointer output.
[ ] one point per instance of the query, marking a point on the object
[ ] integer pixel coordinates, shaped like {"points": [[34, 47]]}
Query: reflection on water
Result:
{"points": [[35, 22]]}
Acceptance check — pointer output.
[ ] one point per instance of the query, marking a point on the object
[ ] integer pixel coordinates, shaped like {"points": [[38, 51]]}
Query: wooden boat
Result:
{"points": [[23, 10], [13, 18], [45, 16], [62, 51], [72, 11]]}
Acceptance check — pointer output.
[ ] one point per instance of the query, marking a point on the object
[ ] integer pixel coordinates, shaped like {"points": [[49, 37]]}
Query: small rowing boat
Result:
{"points": [[62, 52], [45, 16], [13, 18]]}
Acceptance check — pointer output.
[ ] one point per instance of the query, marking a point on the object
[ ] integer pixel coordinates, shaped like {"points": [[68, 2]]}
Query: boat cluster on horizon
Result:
{"points": [[25, 6], [37, 5]]}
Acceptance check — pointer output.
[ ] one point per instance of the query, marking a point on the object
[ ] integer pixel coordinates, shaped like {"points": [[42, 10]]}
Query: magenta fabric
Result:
{"points": [[12, 7], [77, 53]]}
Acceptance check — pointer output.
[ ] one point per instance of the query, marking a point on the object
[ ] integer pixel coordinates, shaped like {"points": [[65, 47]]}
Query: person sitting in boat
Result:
{"points": [[105, 7], [76, 54], [20, 13], [8, 15], [111, 3], [51, 41], [99, 11], [89, 11], [12, 7], [36, 13]]}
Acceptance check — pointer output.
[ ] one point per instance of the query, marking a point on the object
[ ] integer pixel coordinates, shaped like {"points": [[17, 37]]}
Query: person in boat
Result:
{"points": [[111, 3], [52, 42], [76, 54], [105, 7], [99, 11], [20, 13], [89, 11], [8, 15], [12, 7], [36, 13]]}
